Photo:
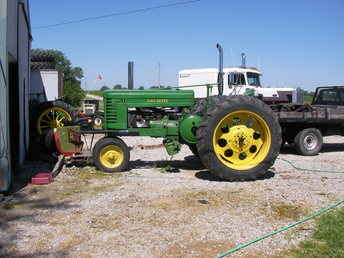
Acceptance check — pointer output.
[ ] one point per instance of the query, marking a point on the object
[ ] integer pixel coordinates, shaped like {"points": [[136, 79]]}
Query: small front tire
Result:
{"points": [[308, 142], [111, 155]]}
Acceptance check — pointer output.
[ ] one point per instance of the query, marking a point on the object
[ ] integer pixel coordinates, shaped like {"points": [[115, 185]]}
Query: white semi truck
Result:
{"points": [[236, 81]]}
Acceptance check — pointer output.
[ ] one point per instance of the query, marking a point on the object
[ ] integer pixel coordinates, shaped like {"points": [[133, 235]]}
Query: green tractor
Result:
{"points": [[235, 137]]}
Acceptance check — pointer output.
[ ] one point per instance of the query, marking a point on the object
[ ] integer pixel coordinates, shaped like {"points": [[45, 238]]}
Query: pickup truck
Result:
{"points": [[305, 125]]}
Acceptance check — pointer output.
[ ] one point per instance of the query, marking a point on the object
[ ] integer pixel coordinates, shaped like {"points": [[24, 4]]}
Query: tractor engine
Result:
{"points": [[155, 113]]}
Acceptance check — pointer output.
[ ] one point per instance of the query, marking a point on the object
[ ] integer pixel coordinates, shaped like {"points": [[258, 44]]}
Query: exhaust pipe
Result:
{"points": [[243, 60], [220, 73], [131, 75]]}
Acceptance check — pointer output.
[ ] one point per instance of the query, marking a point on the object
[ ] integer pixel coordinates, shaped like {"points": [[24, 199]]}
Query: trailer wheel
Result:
{"points": [[111, 155], [308, 142], [239, 139]]}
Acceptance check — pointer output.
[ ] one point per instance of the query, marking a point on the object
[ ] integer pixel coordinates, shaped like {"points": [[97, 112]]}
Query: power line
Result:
{"points": [[141, 10]]}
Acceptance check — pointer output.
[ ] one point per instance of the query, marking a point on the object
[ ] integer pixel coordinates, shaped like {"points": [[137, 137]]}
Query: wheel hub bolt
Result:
{"points": [[256, 135], [242, 156], [228, 153], [253, 148], [222, 142], [225, 129]]}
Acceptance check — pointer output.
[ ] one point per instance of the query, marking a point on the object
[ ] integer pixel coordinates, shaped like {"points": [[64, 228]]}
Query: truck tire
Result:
{"points": [[199, 107], [111, 155], [239, 139], [308, 142]]}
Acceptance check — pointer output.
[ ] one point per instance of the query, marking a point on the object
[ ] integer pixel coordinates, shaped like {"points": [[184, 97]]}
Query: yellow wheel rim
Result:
{"points": [[242, 140], [54, 117], [111, 156]]}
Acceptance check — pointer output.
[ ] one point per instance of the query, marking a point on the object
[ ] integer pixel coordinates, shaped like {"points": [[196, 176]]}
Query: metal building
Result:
{"points": [[15, 45]]}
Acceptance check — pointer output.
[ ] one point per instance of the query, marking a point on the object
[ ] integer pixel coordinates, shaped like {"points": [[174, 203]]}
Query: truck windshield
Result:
{"points": [[327, 97], [253, 79]]}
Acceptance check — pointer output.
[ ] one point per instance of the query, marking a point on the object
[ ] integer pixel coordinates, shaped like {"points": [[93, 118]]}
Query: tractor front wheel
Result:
{"points": [[239, 139], [111, 155]]}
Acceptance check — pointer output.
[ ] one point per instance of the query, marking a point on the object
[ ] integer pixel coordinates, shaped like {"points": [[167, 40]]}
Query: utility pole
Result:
{"points": [[159, 75]]}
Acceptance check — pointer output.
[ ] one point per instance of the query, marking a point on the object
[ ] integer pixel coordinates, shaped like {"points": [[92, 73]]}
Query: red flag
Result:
{"points": [[99, 77]]}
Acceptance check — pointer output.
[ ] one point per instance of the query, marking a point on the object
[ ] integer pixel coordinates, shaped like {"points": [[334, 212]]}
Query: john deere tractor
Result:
{"points": [[236, 137]]}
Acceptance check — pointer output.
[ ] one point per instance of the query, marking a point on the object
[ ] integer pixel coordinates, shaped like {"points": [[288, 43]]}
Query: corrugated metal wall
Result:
{"points": [[15, 44], [4, 122]]}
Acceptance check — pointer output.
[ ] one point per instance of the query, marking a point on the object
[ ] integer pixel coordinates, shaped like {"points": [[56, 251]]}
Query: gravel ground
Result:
{"points": [[148, 212]]}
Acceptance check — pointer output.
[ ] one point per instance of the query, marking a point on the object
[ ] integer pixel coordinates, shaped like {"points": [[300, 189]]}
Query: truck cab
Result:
{"points": [[329, 96], [236, 80]]}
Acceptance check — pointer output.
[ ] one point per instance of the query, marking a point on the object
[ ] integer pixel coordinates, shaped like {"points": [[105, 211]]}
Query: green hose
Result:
{"points": [[316, 214], [310, 170]]}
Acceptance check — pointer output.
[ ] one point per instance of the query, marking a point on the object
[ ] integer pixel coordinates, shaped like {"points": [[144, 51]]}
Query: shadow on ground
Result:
{"points": [[327, 147], [18, 208], [189, 163], [39, 160], [208, 176]]}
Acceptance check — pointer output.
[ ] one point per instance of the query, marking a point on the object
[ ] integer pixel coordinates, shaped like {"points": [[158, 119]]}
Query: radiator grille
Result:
{"points": [[111, 111]]}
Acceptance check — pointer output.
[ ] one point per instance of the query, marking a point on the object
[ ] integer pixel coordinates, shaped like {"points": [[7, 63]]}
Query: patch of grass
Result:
{"points": [[72, 242], [85, 189], [8, 206], [288, 211], [96, 93], [104, 187], [70, 190], [105, 222], [196, 248], [200, 200], [89, 174], [308, 99], [327, 240], [168, 169]]}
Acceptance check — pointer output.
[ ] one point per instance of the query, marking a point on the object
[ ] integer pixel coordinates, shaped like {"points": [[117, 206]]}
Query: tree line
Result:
{"points": [[120, 87], [72, 91]]}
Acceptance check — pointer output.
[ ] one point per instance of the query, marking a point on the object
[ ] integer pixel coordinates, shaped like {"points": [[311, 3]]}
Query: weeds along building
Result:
{"points": [[15, 45]]}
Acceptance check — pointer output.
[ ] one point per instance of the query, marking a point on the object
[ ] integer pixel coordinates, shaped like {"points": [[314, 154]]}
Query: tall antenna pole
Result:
{"points": [[159, 75]]}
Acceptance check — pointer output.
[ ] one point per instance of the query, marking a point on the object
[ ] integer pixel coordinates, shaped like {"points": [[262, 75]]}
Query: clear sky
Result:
{"points": [[294, 43]]}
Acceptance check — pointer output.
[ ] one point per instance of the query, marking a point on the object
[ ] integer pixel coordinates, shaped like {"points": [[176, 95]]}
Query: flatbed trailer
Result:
{"points": [[305, 125]]}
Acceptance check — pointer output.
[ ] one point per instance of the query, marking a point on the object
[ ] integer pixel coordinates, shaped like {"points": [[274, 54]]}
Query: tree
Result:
{"points": [[104, 88], [141, 88], [117, 87], [72, 91]]}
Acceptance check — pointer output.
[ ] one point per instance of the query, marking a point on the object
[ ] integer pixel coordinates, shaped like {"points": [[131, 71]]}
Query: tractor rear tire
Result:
{"points": [[111, 155], [193, 149], [239, 139]]}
